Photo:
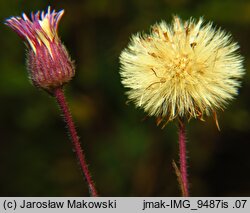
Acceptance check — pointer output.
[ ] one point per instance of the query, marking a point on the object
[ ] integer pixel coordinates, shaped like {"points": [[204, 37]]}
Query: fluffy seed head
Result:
{"points": [[184, 69], [48, 61]]}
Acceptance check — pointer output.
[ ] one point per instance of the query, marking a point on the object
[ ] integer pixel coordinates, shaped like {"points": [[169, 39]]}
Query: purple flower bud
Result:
{"points": [[48, 61]]}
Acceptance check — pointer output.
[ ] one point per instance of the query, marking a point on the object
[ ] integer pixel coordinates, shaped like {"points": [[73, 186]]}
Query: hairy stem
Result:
{"points": [[60, 98], [183, 159]]}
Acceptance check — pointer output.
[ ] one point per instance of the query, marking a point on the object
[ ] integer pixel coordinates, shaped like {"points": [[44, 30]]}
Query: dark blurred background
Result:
{"points": [[127, 153]]}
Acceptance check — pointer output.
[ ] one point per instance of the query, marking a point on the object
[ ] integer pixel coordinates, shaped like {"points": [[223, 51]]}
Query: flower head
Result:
{"points": [[183, 69], [48, 61]]}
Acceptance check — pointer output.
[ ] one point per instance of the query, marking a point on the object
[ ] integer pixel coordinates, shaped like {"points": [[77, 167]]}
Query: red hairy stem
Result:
{"points": [[60, 98], [183, 159]]}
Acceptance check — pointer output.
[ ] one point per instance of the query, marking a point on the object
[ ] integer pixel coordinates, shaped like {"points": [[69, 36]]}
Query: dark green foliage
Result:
{"points": [[127, 153]]}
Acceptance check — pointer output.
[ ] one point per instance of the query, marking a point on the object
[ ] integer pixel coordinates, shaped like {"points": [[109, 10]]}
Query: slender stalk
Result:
{"points": [[183, 159], [60, 98]]}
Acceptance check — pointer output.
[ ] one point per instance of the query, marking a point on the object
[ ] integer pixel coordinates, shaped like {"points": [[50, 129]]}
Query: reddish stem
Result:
{"points": [[60, 98], [183, 158]]}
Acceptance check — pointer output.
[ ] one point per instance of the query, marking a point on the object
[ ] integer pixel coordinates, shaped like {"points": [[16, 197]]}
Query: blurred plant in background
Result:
{"points": [[127, 158]]}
